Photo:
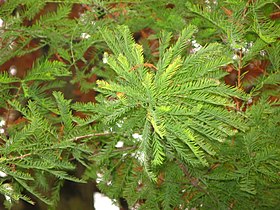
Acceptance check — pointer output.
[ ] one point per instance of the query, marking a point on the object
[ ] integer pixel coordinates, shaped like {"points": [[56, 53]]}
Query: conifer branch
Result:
{"points": [[174, 139]]}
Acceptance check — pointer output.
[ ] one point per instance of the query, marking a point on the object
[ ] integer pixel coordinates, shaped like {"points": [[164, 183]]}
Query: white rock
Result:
{"points": [[137, 136], [8, 187], [1, 22], [85, 36], [119, 144], [105, 57], [2, 174], [102, 202], [2, 130], [2, 123], [13, 70]]}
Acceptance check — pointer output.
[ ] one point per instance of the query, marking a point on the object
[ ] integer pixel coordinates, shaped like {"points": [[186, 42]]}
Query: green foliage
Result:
{"points": [[175, 106], [188, 139]]}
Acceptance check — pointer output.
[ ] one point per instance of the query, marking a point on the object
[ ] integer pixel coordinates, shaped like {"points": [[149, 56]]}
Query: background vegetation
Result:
{"points": [[157, 104]]}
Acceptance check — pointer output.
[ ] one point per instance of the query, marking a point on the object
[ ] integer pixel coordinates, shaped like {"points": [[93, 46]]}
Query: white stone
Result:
{"points": [[8, 187], [137, 136], [102, 202], [2, 174], [235, 57], [1, 22], [13, 70], [140, 156], [105, 57], [250, 100], [2, 123], [85, 36], [99, 178], [119, 144], [262, 52]]}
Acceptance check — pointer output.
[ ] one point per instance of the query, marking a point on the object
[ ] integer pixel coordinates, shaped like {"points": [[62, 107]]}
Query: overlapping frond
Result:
{"points": [[178, 84]]}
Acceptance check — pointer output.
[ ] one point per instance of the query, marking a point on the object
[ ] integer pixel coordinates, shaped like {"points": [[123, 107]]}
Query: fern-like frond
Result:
{"points": [[267, 30], [64, 110], [177, 84], [47, 71], [34, 192], [5, 78]]}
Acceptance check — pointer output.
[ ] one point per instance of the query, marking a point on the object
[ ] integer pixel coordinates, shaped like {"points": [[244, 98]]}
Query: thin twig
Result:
{"points": [[193, 180], [91, 135], [239, 82], [21, 157], [246, 8], [239, 70], [276, 5]]}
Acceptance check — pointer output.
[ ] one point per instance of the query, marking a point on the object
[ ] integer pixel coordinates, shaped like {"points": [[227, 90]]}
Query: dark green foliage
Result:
{"points": [[165, 131]]}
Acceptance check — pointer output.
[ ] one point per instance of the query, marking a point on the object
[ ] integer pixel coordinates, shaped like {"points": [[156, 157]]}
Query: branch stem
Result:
{"points": [[91, 135]]}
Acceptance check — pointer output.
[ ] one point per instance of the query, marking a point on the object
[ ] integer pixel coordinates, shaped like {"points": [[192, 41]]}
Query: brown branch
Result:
{"points": [[193, 180], [246, 8], [275, 15]]}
